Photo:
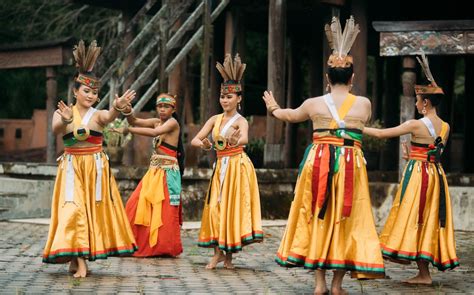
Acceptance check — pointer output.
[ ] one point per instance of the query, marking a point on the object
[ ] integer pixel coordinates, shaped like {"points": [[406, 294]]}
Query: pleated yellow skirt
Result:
{"points": [[92, 223], [231, 217], [337, 240], [412, 234]]}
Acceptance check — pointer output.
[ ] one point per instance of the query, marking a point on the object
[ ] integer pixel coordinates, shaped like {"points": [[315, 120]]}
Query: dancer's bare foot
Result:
{"points": [[338, 291], [321, 290], [419, 279], [218, 257], [81, 268], [228, 261], [73, 265]]}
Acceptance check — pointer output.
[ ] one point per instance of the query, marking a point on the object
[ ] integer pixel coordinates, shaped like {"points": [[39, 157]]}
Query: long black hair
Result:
{"points": [[181, 153]]}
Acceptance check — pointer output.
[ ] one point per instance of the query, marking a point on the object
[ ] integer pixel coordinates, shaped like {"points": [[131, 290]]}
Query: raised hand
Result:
{"points": [[269, 99], [206, 144], [126, 99], [64, 111], [233, 139]]}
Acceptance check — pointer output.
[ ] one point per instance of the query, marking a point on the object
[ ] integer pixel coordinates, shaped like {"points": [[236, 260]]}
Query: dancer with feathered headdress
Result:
{"points": [[330, 225], [420, 224], [231, 216], [88, 220]]}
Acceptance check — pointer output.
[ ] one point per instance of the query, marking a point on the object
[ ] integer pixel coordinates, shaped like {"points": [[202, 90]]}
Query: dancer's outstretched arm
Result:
{"points": [[288, 115], [407, 127], [200, 140], [120, 104], [167, 127]]}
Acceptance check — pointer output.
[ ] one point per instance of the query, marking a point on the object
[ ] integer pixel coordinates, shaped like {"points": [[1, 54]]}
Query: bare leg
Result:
{"points": [[81, 268], [228, 261], [218, 257], [336, 286], [73, 265], [320, 288], [423, 276]]}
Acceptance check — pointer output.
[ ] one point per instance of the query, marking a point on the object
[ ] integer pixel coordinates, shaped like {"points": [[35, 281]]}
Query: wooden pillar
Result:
{"points": [[230, 28], [359, 49], [377, 88], [164, 25], [51, 95], [407, 102], [316, 64], [390, 111], [188, 96], [468, 121], [273, 155], [129, 59], [205, 61]]}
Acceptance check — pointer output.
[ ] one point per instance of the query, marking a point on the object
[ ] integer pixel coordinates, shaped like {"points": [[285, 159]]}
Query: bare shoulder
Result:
{"points": [[242, 121], [363, 100]]}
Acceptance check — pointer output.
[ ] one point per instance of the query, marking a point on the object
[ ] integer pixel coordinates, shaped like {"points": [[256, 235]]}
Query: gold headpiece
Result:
{"points": [[85, 61], [231, 72], [341, 42], [166, 98], [432, 88]]}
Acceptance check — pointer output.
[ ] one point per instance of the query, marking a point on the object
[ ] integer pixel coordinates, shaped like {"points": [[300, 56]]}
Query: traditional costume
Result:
{"points": [[154, 208], [420, 224], [330, 225], [231, 216], [87, 215]]}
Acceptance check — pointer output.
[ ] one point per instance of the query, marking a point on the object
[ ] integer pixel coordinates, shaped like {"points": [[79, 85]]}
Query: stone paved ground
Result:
{"points": [[21, 271]]}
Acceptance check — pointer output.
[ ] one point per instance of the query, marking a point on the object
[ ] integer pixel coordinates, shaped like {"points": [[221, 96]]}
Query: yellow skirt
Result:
{"points": [[87, 215], [231, 217], [331, 225], [419, 226]]}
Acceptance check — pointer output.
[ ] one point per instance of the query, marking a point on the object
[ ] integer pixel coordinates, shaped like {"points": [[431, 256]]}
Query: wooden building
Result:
{"points": [[283, 43]]}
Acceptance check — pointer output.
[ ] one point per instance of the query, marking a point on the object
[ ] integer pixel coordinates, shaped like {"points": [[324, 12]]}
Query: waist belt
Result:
{"points": [[89, 150], [338, 141], [228, 152], [162, 161]]}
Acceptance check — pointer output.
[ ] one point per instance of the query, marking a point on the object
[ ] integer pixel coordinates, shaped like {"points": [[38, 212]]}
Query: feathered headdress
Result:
{"points": [[85, 61], [232, 72], [432, 88], [341, 41]]}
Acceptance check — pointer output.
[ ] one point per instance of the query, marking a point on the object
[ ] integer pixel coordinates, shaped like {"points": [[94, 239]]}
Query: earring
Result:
{"points": [[352, 85], [238, 105], [98, 99], [327, 87], [423, 111]]}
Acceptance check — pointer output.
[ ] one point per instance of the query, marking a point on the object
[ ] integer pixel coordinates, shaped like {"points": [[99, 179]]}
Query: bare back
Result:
{"points": [[356, 117]]}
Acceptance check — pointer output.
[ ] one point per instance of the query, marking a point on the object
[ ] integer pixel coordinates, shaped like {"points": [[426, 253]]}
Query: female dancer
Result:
{"points": [[330, 225], [88, 220], [231, 216], [154, 208], [420, 225]]}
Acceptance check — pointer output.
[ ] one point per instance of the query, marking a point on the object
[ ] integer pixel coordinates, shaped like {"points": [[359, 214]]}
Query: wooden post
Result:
{"points": [[407, 103], [359, 49], [163, 52], [51, 94], [230, 27], [273, 155], [468, 122], [205, 61], [70, 93]]}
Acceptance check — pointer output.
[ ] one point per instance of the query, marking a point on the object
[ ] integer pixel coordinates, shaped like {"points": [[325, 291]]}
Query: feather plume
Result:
{"points": [[341, 41], [425, 66], [231, 69], [327, 29], [85, 60]]}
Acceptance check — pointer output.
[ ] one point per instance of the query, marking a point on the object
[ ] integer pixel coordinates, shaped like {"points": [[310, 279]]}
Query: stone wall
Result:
{"points": [[26, 190]]}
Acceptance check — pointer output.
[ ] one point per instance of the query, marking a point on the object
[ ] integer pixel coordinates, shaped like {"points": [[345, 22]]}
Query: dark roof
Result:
{"points": [[67, 41]]}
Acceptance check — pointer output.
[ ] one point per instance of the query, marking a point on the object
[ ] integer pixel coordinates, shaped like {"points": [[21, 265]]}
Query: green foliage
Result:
{"points": [[372, 143], [114, 139]]}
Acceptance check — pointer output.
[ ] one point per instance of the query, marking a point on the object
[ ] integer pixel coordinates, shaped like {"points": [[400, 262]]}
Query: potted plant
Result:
{"points": [[114, 141], [373, 146]]}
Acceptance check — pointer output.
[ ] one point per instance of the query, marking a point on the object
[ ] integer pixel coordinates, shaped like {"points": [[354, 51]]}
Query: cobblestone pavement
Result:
{"points": [[21, 271]]}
